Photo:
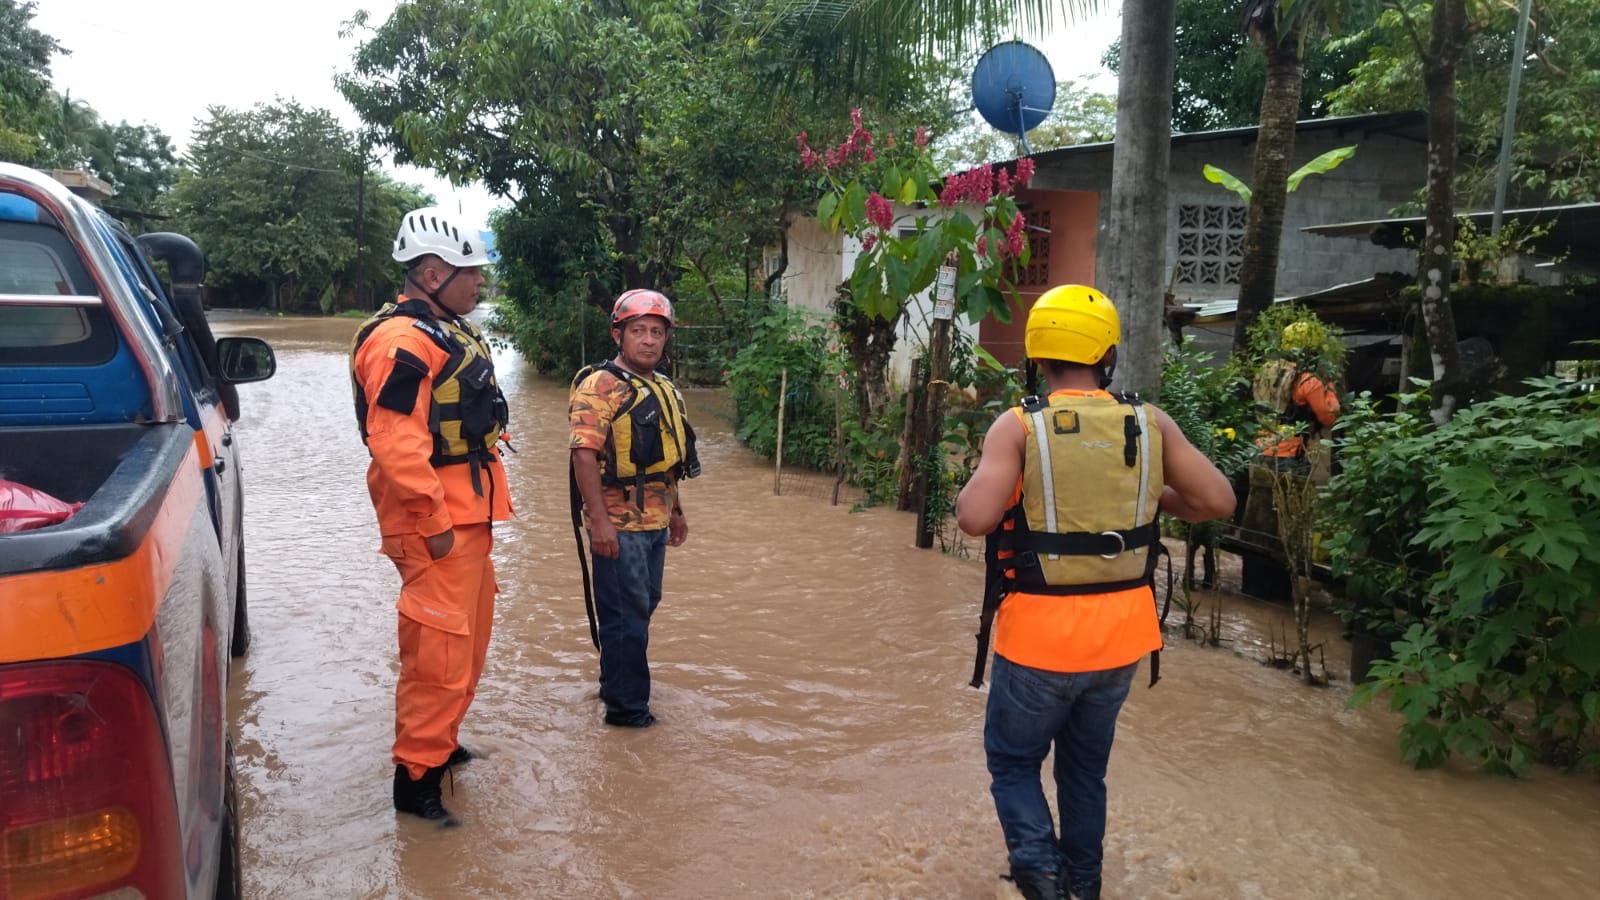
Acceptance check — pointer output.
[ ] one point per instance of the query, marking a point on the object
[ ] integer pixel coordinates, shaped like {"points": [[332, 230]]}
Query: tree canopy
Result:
{"points": [[271, 194], [650, 124], [1558, 118], [1219, 74], [40, 127]]}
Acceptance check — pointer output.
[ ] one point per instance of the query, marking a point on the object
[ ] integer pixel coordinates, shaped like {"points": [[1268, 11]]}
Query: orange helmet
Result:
{"points": [[640, 302]]}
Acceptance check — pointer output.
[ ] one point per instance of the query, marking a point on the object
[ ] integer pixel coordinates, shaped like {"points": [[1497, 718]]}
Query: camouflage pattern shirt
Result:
{"points": [[594, 405]]}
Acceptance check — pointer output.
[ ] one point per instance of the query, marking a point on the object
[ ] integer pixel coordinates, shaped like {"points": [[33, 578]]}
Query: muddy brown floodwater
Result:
{"points": [[817, 736]]}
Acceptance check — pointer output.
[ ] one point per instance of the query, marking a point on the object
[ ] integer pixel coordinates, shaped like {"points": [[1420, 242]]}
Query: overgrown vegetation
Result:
{"points": [[1502, 662]]}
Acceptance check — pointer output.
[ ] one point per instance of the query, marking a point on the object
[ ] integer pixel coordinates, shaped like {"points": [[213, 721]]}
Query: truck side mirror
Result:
{"points": [[245, 359]]}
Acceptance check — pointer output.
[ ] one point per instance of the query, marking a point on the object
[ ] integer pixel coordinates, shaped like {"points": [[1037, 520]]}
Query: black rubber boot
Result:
{"points": [[1035, 884], [460, 756], [422, 797], [1089, 891]]}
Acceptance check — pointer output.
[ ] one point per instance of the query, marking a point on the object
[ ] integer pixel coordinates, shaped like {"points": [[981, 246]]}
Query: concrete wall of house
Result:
{"points": [[1073, 218], [1385, 172], [815, 268], [819, 262]]}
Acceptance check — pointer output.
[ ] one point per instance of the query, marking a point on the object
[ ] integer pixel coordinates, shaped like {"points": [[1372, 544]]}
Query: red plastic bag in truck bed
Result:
{"points": [[23, 508]]}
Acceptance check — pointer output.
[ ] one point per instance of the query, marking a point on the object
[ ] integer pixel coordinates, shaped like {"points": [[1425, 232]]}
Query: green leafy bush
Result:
{"points": [[1373, 508], [1504, 667], [786, 339]]}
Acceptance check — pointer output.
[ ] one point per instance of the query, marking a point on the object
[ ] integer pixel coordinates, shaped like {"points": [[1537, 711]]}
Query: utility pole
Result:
{"points": [[944, 308]]}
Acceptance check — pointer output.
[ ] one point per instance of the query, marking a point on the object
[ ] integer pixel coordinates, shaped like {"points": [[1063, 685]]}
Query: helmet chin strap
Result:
{"points": [[1107, 370], [434, 294]]}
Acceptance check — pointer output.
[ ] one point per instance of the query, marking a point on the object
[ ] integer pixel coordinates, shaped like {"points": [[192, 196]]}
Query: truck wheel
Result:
{"points": [[230, 880], [241, 614]]}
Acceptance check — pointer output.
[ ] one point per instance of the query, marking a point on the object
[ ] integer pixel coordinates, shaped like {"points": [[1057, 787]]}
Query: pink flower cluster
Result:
{"points": [[857, 145], [1015, 240], [979, 184], [879, 211], [1024, 171], [976, 185]]}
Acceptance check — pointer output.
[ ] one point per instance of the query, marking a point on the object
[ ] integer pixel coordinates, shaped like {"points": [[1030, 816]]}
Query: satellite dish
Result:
{"points": [[1013, 88]]}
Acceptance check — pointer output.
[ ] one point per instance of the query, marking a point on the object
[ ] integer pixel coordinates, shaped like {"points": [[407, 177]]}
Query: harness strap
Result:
{"points": [[583, 558], [1088, 543]]}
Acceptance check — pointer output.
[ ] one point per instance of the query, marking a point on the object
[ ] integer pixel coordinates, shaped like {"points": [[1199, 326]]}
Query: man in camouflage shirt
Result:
{"points": [[631, 444]]}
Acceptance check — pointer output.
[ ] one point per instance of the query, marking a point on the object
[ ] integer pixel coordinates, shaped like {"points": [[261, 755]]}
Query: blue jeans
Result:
{"points": [[1028, 710], [626, 592]]}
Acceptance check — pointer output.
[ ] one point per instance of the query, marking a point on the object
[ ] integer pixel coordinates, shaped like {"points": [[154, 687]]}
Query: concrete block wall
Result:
{"points": [[1385, 173]]}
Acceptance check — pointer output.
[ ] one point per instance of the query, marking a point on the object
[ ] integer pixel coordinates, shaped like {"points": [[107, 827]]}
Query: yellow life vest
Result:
{"points": [[468, 412], [650, 437], [1091, 489]]}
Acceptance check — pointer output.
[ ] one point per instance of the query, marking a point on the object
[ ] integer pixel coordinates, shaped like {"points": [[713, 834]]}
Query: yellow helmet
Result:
{"points": [[1303, 335], [1074, 323]]}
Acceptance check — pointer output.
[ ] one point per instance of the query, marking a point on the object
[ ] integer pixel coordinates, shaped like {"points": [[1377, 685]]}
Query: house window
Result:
{"points": [[1210, 243]]}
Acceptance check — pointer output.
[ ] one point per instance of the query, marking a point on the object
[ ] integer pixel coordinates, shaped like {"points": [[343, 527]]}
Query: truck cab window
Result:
{"points": [[37, 261]]}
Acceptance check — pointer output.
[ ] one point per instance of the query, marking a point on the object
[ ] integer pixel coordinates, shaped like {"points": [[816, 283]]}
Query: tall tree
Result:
{"points": [[1279, 37], [1219, 73], [1141, 161], [1446, 41], [1280, 29], [1557, 142], [25, 55], [271, 194]]}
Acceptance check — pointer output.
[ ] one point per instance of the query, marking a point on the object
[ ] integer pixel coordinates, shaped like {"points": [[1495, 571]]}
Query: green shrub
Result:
{"points": [[1504, 667], [796, 341]]}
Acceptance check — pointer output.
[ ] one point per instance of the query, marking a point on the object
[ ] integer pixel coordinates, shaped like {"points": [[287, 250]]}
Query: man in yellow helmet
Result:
{"points": [[1077, 478]]}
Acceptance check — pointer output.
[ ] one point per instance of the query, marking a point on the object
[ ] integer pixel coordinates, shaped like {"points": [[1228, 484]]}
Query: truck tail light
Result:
{"points": [[88, 802]]}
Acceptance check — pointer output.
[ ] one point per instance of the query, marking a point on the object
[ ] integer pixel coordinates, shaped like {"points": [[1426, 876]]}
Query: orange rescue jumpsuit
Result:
{"points": [[446, 606]]}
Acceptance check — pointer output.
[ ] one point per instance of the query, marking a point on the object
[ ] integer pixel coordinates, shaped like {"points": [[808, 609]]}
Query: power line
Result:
{"points": [[277, 162]]}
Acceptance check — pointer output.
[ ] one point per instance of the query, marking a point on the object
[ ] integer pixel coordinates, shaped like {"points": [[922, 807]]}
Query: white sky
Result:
{"points": [[164, 61]]}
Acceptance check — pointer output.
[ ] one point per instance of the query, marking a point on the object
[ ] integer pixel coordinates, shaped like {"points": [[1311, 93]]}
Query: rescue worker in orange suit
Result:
{"points": [[1306, 404], [1075, 480], [431, 413], [631, 445]]}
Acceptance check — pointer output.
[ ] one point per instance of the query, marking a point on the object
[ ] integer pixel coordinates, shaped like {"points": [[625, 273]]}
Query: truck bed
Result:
{"points": [[119, 472]]}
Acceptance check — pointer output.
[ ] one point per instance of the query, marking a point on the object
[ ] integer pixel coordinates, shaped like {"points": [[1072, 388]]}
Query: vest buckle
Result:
{"points": [[1122, 544]]}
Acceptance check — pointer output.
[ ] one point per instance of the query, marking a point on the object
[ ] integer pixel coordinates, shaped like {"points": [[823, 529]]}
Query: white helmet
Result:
{"points": [[430, 230]]}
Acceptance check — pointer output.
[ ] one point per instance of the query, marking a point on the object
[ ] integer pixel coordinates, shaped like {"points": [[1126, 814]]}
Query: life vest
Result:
{"points": [[1091, 490], [1273, 392], [650, 437], [468, 413]]}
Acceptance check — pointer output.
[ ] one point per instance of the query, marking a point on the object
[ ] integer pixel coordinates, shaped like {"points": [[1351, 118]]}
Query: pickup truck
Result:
{"points": [[118, 623]]}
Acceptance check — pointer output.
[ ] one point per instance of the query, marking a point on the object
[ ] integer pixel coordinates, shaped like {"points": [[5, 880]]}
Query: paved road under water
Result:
{"points": [[817, 736]]}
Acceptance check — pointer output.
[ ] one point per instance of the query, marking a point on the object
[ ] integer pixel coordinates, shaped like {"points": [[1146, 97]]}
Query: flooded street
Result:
{"points": [[817, 736]]}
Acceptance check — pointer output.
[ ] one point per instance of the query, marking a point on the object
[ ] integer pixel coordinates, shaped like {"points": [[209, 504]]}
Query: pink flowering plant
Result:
{"points": [[865, 176]]}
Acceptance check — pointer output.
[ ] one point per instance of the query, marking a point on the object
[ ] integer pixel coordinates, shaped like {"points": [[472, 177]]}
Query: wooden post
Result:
{"points": [[838, 439], [777, 471], [907, 495], [938, 387]]}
